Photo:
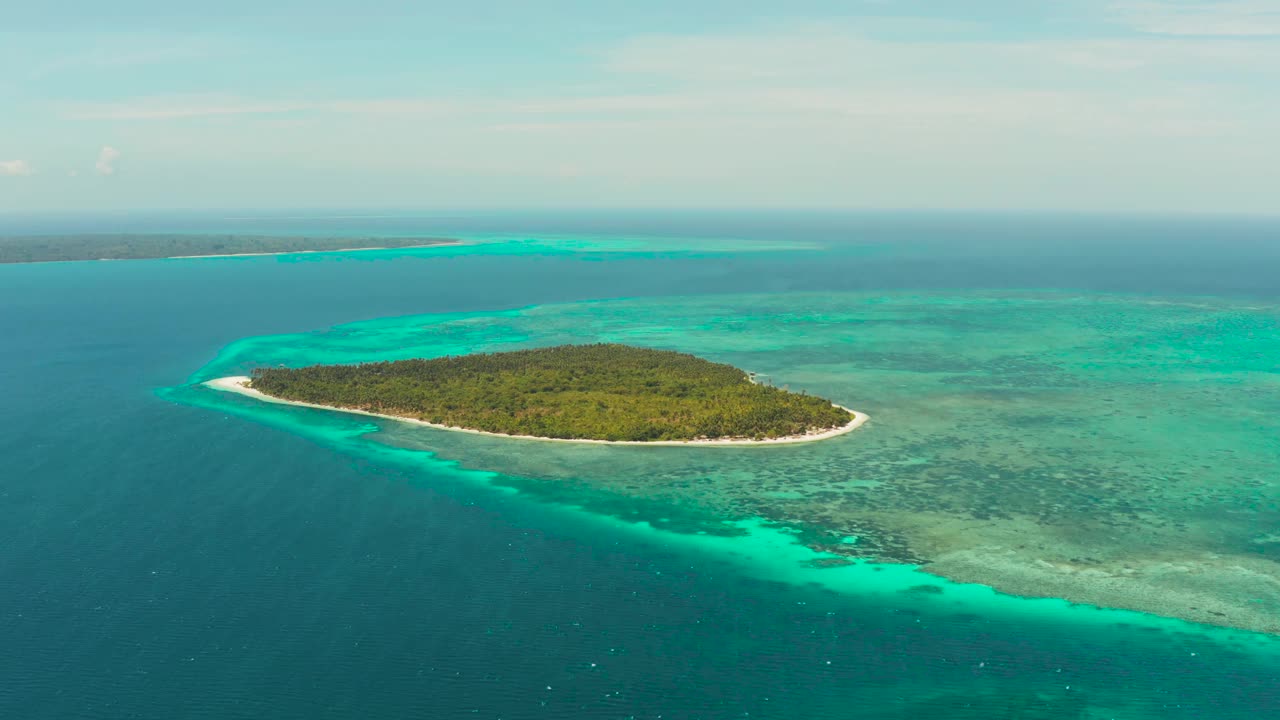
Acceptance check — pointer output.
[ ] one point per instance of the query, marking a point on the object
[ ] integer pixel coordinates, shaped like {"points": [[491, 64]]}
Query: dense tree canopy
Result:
{"points": [[601, 392], [93, 246]]}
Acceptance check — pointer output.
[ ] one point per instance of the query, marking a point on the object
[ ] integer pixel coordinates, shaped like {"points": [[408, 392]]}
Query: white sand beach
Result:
{"points": [[239, 384]]}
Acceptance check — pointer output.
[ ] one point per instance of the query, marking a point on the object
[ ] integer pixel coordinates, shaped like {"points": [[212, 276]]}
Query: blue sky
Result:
{"points": [[1109, 105]]}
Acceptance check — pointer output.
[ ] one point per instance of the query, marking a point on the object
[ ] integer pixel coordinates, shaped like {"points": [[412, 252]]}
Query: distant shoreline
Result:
{"points": [[236, 384], [302, 252], [101, 247]]}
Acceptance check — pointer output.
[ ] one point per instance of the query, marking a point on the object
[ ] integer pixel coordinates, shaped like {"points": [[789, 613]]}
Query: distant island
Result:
{"points": [[91, 246], [590, 393]]}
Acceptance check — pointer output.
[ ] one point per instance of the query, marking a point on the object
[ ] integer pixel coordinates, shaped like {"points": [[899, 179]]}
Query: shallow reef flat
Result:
{"points": [[1121, 451]]}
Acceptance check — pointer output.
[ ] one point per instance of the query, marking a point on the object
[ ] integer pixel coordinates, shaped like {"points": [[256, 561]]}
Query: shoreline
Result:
{"points": [[236, 384], [300, 252]]}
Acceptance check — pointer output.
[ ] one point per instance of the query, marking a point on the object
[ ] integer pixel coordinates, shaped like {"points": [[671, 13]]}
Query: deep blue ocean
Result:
{"points": [[159, 560]]}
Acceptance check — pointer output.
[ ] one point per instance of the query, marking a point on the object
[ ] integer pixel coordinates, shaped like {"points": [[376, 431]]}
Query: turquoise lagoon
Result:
{"points": [[1110, 450], [1090, 430]]}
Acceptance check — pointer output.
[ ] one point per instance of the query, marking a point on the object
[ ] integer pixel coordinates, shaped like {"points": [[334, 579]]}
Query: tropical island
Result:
{"points": [[583, 393], [124, 246]]}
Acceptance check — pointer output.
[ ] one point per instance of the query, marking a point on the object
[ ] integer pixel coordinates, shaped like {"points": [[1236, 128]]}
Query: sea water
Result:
{"points": [[171, 552]]}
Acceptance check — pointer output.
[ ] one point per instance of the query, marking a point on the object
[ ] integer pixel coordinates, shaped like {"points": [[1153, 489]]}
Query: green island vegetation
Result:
{"points": [[598, 392], [106, 246]]}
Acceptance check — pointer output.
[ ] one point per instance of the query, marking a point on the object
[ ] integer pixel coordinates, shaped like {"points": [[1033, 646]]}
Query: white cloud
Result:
{"points": [[806, 68], [115, 52], [824, 114], [106, 160], [178, 108], [15, 167], [182, 107], [1239, 18], [1162, 86], [836, 56]]}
